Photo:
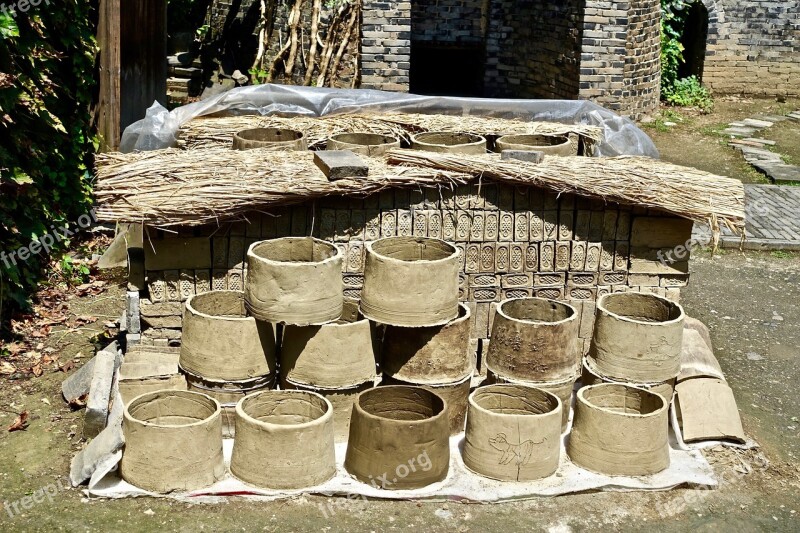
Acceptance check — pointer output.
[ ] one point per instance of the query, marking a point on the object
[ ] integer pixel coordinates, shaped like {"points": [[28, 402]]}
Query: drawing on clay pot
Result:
{"points": [[519, 453]]}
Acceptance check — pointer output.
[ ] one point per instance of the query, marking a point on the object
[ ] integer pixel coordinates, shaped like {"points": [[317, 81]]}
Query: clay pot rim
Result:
{"points": [[399, 382], [669, 303], [478, 140], [323, 419], [257, 380], [538, 384], [204, 397], [191, 309], [505, 138], [294, 264], [390, 138], [243, 134], [580, 397], [570, 318], [483, 389], [455, 252], [313, 388], [338, 323], [383, 419], [647, 385]]}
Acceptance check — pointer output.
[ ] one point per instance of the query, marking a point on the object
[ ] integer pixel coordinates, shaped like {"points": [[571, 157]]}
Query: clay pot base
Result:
{"points": [[549, 144], [370, 144], [448, 142], [276, 139]]}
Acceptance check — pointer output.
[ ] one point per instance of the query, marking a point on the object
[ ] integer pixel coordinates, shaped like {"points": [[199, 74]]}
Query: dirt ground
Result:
{"points": [[751, 302]]}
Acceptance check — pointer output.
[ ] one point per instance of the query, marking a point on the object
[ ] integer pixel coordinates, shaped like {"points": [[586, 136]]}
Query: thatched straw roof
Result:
{"points": [[193, 187]]}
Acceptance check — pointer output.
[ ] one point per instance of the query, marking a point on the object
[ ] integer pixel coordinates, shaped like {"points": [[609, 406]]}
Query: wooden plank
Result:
{"points": [[108, 107]]}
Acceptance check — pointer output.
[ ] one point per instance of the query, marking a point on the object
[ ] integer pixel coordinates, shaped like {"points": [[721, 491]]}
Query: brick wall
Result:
{"points": [[450, 21], [753, 47], [385, 45]]}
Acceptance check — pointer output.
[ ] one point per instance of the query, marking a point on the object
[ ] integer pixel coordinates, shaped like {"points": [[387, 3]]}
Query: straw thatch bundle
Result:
{"points": [[205, 132], [682, 191], [179, 187]]}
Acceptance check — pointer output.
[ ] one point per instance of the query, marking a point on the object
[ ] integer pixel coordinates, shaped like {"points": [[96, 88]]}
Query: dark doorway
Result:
{"points": [[446, 70], [695, 33]]}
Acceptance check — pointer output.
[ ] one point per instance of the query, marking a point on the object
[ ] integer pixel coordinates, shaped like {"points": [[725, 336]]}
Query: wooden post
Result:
{"points": [[108, 111]]}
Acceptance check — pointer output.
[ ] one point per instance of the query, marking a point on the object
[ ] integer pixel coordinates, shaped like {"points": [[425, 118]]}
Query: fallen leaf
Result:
{"points": [[37, 370], [81, 320], [15, 347], [79, 402], [7, 368], [20, 423], [45, 400], [66, 367]]}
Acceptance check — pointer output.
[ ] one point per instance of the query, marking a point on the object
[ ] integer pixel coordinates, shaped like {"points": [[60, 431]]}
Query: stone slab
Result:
{"points": [[340, 164], [529, 156], [98, 402]]}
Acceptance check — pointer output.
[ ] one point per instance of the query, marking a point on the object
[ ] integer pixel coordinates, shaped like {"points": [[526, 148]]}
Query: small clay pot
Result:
{"points": [[449, 142], [411, 282], [454, 394], [619, 431], [284, 440], [277, 139], [173, 441], [398, 438], [549, 144], [513, 432], [370, 144], [637, 338], [563, 389], [294, 280]]}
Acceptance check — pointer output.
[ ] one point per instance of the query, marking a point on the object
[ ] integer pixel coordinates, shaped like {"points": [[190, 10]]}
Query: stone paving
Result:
{"points": [[755, 150], [773, 220]]}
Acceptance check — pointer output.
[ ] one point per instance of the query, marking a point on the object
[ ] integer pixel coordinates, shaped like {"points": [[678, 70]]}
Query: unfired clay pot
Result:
{"points": [[437, 354], [277, 139], [411, 282], [370, 144], [454, 394], [449, 142], [534, 339], [221, 342], [563, 389], [173, 441], [619, 431], [294, 280], [637, 337], [284, 440], [513, 432], [549, 144], [398, 438], [591, 376]]}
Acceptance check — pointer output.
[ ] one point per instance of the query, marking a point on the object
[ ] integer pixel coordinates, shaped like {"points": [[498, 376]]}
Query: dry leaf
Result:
{"points": [[66, 367], [14, 347], [79, 402], [20, 423], [7, 368], [37, 370]]}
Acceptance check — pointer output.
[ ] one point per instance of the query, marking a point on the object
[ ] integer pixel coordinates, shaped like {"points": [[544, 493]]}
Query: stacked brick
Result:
{"points": [[515, 242], [385, 45]]}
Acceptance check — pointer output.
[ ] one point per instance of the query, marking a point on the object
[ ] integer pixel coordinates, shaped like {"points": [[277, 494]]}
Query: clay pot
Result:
{"points": [[449, 142], [340, 354], [411, 282], [437, 354], [534, 339], [221, 342], [228, 394], [173, 441], [370, 144], [342, 401], [563, 389], [284, 440], [513, 432], [294, 280], [637, 337], [398, 438], [591, 376], [619, 431], [454, 394], [549, 144], [277, 139]]}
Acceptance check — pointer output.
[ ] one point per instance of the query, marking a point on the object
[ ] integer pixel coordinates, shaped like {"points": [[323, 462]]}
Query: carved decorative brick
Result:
{"points": [[596, 226], [621, 256], [342, 229], [553, 293], [501, 262], [582, 279], [550, 200], [515, 281], [447, 198], [463, 226], [578, 259], [532, 257], [434, 224], [327, 224], [186, 284], [235, 282], [582, 293], [505, 197], [472, 259], [487, 257], [352, 293], [420, 223], [484, 294], [548, 279], [535, 227], [355, 256], [388, 223], [491, 225], [613, 278], [462, 197], [566, 224], [547, 256], [506, 231], [353, 281], [372, 226], [202, 281], [593, 252], [582, 220], [606, 255], [521, 199], [172, 279], [405, 224], [219, 280], [515, 293], [490, 196], [563, 256], [157, 286], [448, 226], [602, 290], [550, 225], [358, 219], [484, 280], [521, 229], [462, 255], [516, 257]]}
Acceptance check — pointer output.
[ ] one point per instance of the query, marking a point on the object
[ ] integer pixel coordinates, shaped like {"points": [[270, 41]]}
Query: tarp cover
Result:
{"points": [[159, 128]]}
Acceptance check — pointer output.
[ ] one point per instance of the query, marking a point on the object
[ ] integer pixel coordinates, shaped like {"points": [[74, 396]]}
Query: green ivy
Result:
{"points": [[686, 92], [47, 85]]}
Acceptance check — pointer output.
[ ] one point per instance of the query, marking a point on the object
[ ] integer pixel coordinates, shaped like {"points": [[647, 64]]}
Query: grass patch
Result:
{"points": [[783, 254]]}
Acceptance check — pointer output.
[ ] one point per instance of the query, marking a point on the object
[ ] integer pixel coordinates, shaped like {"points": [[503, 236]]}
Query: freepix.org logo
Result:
{"points": [[21, 6]]}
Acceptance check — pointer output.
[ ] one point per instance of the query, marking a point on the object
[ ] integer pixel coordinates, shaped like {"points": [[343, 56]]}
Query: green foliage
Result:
{"points": [[259, 75], [47, 84], [688, 92]]}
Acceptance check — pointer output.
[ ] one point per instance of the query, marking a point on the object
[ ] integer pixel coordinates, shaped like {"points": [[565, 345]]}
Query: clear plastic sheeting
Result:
{"points": [[159, 128]]}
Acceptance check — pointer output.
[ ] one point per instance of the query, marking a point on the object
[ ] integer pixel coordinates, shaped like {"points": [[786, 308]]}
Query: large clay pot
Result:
{"points": [[411, 282], [221, 342], [548, 144], [284, 440], [637, 337], [449, 142], [563, 389], [513, 432], [534, 339], [591, 376], [173, 441], [454, 393], [277, 139], [399, 438], [294, 280], [437, 354], [370, 144], [619, 431]]}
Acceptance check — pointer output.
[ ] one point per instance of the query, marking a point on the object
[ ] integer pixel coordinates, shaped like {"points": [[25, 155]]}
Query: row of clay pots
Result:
{"points": [[373, 144]]}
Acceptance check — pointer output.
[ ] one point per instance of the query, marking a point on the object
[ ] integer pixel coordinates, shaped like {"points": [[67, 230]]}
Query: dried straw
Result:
{"points": [[682, 191], [179, 187]]}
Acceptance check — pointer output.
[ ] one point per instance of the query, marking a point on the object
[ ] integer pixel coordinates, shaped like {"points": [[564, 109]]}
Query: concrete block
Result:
{"points": [[340, 164], [79, 382], [529, 156], [97, 404], [98, 452], [132, 312]]}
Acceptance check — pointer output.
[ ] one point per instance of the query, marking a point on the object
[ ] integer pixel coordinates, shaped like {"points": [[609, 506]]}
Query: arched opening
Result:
{"points": [[695, 34]]}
